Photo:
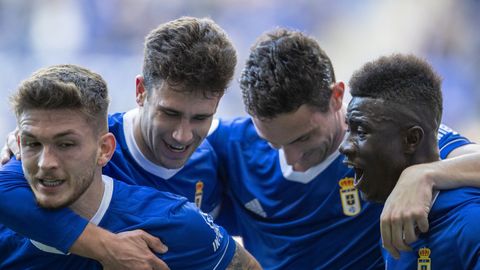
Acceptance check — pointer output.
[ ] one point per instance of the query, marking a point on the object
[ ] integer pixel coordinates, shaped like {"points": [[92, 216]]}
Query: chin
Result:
{"points": [[52, 205]]}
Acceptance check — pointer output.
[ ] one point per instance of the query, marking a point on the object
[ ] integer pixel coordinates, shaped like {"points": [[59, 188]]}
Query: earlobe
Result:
{"points": [[413, 138], [140, 92], [106, 149]]}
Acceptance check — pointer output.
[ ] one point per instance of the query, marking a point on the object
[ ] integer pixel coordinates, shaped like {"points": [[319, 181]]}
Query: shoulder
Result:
{"points": [[236, 129], [115, 119], [12, 166], [448, 140], [457, 212], [12, 171]]}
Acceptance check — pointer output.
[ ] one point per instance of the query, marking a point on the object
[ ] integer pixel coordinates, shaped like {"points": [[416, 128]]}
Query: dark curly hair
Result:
{"points": [[402, 79], [285, 70], [190, 54]]}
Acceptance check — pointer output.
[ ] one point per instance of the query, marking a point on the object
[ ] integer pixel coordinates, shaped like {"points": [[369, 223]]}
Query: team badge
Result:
{"points": [[198, 193], [349, 195], [424, 261]]}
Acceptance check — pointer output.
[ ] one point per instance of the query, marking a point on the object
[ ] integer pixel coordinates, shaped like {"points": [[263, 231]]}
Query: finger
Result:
{"points": [[154, 243], [13, 143], [409, 235], [422, 224], [398, 237], [386, 233], [159, 264], [5, 155]]}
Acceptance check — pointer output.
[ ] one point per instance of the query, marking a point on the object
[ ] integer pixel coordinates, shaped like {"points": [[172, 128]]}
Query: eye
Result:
{"points": [[201, 117], [361, 132], [66, 144], [304, 138], [30, 144], [170, 113]]}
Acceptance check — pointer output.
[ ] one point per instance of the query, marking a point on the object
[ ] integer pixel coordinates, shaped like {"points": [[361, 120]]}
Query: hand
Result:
{"points": [[133, 250], [405, 213], [10, 148], [122, 251]]}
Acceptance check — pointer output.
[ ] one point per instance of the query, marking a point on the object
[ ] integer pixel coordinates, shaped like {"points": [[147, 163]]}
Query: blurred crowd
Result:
{"points": [[107, 36]]}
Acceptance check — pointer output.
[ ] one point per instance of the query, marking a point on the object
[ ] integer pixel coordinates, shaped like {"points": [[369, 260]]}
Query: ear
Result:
{"points": [[106, 148], [413, 138], [140, 91], [336, 101]]}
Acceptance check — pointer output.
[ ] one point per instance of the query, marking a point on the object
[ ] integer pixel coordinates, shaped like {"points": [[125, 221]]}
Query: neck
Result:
{"points": [[88, 203], [427, 151], [339, 118], [138, 136]]}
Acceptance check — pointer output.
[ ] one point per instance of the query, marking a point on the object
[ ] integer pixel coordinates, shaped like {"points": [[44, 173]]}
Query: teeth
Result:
{"points": [[177, 148], [51, 183]]}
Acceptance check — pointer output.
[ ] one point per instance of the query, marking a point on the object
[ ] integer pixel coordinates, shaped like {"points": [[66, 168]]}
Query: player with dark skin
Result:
{"points": [[393, 120]]}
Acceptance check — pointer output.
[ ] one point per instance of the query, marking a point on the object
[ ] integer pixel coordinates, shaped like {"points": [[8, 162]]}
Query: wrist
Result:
{"points": [[92, 243]]}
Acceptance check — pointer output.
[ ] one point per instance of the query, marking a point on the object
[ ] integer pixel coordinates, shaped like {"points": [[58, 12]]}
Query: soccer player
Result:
{"points": [[393, 119], [295, 202], [64, 143], [188, 63]]}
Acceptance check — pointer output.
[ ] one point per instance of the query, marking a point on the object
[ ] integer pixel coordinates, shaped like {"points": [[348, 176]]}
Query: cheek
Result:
{"points": [[202, 129]]}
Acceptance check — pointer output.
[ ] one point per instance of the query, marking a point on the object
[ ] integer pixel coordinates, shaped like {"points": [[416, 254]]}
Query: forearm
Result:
{"points": [[91, 243], [243, 260], [461, 168], [122, 251], [19, 212]]}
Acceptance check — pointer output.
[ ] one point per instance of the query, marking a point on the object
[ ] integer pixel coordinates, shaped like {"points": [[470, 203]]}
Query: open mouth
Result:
{"points": [[358, 172], [51, 182], [177, 148], [358, 176]]}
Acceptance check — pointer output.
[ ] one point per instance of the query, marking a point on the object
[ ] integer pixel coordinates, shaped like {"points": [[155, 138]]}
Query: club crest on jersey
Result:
{"points": [[424, 261], [198, 193], [349, 195]]}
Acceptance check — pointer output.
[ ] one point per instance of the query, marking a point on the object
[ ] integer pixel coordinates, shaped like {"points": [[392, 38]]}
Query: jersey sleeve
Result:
{"points": [[449, 140], [202, 243], [19, 212]]}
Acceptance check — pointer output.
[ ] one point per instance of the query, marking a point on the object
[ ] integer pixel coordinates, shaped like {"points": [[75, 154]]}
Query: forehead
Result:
{"points": [[376, 110], [180, 99], [54, 121], [286, 127]]}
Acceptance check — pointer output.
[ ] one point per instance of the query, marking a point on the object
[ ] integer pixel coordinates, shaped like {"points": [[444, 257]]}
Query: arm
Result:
{"points": [[406, 209], [18, 211], [127, 250], [243, 260], [65, 230]]}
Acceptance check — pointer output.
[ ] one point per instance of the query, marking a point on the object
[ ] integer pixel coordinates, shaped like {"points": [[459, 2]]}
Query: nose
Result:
{"points": [[347, 147], [292, 154], [183, 132], [48, 159]]}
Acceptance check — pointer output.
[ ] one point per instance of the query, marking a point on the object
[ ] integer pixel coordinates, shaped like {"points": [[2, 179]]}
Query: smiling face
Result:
{"points": [[306, 135], [172, 123], [59, 151], [375, 146]]}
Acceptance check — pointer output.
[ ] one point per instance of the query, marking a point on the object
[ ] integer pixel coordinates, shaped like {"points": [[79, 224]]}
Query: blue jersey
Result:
{"points": [[453, 238], [298, 220], [193, 240], [197, 181]]}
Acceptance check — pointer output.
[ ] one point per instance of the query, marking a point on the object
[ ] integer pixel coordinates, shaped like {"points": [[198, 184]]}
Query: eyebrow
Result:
{"points": [[168, 109], [59, 135], [301, 137]]}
